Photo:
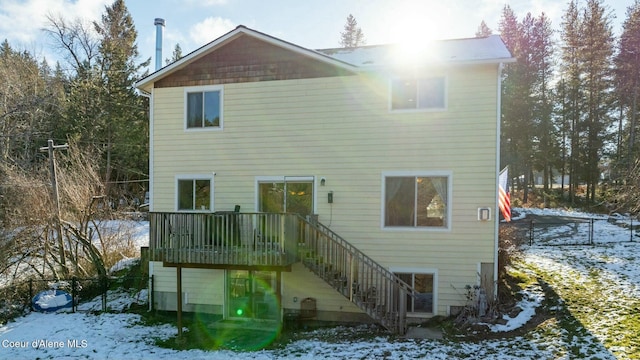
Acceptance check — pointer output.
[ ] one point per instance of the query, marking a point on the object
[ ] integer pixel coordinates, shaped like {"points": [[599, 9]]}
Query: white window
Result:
{"points": [[194, 193], [423, 283], [203, 107], [416, 200], [418, 94]]}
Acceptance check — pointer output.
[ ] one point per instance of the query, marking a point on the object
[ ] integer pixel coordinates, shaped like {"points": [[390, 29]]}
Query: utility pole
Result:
{"points": [[56, 199]]}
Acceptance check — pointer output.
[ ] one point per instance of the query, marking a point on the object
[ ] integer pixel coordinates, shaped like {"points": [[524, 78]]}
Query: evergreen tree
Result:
{"points": [[104, 110], [598, 55], [508, 148], [125, 127], [586, 69], [30, 98], [177, 54], [571, 71], [627, 82], [25, 105], [483, 30], [517, 103], [352, 36], [546, 133], [528, 135]]}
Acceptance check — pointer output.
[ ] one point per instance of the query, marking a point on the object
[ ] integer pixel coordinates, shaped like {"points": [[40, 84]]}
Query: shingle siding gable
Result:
{"points": [[247, 59]]}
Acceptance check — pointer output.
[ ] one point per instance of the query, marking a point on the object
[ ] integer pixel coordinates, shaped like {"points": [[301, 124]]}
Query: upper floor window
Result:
{"points": [[194, 194], [417, 94], [204, 108], [417, 201]]}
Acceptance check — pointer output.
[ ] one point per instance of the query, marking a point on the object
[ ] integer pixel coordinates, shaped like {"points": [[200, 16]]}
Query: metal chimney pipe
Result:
{"points": [[159, 23]]}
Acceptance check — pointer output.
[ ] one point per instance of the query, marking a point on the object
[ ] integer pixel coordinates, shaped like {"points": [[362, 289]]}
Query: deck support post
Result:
{"points": [[278, 291], [179, 299]]}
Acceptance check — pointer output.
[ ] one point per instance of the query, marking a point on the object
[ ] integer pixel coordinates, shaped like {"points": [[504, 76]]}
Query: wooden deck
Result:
{"points": [[267, 241], [224, 240]]}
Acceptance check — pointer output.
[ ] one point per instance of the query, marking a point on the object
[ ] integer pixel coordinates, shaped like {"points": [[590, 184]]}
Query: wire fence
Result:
{"points": [[110, 294], [558, 231]]}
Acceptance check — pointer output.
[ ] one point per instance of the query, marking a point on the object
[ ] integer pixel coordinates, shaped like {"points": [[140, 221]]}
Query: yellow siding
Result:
{"points": [[301, 283], [341, 129], [200, 286]]}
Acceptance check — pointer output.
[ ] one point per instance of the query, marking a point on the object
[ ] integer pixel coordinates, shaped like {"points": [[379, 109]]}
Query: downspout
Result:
{"points": [[148, 96], [151, 287], [497, 172]]}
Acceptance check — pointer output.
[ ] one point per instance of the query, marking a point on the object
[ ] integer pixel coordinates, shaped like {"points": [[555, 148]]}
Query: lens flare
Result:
{"points": [[253, 320]]}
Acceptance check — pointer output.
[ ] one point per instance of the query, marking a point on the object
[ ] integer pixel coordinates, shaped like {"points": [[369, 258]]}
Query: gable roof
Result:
{"points": [[230, 36], [482, 50], [485, 50]]}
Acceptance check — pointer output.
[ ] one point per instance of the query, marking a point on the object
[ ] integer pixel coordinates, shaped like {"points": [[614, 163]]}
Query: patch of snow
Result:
{"points": [[117, 300], [124, 263], [532, 298], [559, 212]]}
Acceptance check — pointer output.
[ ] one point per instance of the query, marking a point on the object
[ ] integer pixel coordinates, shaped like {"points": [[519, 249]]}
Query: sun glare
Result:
{"points": [[414, 26]]}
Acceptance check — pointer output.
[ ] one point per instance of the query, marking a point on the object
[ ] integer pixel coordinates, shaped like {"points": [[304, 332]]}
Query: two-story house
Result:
{"points": [[364, 178]]}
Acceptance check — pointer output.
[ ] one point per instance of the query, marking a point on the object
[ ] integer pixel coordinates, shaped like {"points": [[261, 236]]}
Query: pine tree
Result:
{"points": [[483, 30], [177, 54], [25, 106], [587, 52], [352, 36], [627, 82], [517, 103], [508, 147], [125, 127], [546, 132], [598, 55], [570, 71], [104, 109], [528, 135]]}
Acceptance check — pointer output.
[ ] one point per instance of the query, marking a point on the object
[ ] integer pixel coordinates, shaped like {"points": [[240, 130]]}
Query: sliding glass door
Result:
{"points": [[288, 194], [252, 295]]}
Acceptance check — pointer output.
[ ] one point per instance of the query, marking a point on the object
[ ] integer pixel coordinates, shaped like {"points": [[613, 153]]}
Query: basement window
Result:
{"points": [[423, 284]]}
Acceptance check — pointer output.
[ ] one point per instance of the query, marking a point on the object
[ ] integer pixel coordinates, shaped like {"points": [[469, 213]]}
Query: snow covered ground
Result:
{"points": [[613, 261], [131, 234]]}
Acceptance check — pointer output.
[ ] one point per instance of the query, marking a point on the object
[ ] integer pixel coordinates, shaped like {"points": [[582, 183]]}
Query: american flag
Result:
{"points": [[504, 198]]}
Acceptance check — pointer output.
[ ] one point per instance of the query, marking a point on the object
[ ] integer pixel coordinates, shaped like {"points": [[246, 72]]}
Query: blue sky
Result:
{"points": [[309, 23]]}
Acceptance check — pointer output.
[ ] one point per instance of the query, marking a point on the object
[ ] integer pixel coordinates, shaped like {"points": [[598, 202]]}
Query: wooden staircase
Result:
{"points": [[367, 284]]}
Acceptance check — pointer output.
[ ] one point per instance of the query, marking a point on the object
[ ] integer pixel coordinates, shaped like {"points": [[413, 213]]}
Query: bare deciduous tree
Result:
{"points": [[91, 244]]}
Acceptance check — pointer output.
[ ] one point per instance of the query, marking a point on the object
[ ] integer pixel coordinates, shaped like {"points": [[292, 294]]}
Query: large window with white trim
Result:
{"points": [[203, 108], [418, 93], [416, 201]]}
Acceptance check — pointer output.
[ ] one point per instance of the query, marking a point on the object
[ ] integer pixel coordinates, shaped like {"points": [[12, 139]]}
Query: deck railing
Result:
{"points": [[229, 238], [373, 288]]}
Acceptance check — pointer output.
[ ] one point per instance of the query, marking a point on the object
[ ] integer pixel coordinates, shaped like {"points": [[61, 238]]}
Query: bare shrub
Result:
{"points": [[88, 248], [510, 238], [624, 196]]}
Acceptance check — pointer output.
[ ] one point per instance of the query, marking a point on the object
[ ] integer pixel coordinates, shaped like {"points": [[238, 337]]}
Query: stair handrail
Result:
{"points": [[333, 258], [358, 253]]}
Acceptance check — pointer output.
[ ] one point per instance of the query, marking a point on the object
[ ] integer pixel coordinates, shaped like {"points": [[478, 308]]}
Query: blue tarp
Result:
{"points": [[52, 300]]}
